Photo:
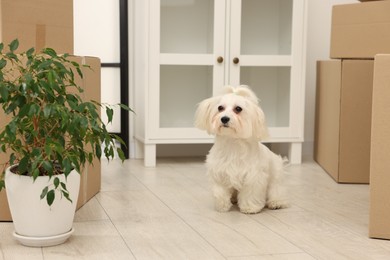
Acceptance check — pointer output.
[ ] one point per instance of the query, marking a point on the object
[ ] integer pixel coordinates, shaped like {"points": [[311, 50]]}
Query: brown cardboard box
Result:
{"points": [[38, 23], [360, 30], [91, 177], [379, 224], [343, 119]]}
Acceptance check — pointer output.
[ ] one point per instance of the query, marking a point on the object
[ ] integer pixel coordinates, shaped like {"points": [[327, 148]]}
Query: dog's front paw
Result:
{"points": [[223, 205], [277, 204], [251, 210]]}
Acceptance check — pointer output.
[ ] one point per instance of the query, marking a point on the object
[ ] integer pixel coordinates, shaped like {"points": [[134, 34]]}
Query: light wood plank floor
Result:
{"points": [[167, 213]]}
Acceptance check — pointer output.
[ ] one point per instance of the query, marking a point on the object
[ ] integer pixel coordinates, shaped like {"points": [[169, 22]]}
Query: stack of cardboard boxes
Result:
{"points": [[353, 105], [48, 23]]}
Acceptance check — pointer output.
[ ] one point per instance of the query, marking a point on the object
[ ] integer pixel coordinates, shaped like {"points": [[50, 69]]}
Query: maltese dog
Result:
{"points": [[241, 169]]}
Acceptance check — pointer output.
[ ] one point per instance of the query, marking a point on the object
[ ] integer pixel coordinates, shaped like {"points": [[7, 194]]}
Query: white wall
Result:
{"points": [[318, 48], [96, 33]]}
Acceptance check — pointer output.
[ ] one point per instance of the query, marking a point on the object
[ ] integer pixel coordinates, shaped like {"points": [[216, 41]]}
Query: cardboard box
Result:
{"points": [[91, 177], [379, 224], [343, 119], [38, 23], [360, 30]]}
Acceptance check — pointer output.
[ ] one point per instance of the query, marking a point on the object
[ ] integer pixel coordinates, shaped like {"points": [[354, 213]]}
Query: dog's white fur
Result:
{"points": [[241, 169]]}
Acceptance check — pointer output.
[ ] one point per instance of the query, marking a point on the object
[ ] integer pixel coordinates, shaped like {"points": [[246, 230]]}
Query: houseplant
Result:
{"points": [[51, 132]]}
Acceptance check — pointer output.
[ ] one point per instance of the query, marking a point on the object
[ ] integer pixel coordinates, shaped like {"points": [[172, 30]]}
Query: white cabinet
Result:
{"points": [[184, 50]]}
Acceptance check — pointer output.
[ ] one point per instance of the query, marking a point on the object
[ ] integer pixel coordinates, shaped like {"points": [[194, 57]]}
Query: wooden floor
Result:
{"points": [[167, 213]]}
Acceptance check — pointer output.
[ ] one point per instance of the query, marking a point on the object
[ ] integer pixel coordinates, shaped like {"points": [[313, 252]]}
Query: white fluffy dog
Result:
{"points": [[241, 169]]}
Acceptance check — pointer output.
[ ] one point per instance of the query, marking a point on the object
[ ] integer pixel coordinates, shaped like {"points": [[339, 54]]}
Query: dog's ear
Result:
{"points": [[203, 114], [260, 130]]}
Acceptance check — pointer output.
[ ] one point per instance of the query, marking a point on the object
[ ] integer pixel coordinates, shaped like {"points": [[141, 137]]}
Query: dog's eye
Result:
{"points": [[221, 108], [237, 109]]}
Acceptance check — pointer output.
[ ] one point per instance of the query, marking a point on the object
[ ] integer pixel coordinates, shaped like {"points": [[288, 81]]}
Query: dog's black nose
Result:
{"points": [[225, 119]]}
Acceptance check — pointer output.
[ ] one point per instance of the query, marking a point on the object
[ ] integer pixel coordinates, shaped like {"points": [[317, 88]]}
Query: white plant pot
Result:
{"points": [[36, 223]]}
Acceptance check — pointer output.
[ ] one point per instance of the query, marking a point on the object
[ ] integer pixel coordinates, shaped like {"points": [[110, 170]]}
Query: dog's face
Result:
{"points": [[234, 114]]}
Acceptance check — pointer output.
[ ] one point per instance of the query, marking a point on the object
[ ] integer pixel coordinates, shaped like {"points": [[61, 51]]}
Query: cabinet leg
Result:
{"points": [[139, 149], [150, 155], [295, 153]]}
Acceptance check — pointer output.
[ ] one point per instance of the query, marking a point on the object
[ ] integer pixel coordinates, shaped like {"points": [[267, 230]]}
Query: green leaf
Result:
{"points": [[118, 138], [10, 130], [98, 150], [45, 64], [50, 52], [56, 182], [44, 192], [66, 195], [125, 107], [83, 122], [4, 93], [35, 152], [23, 164], [48, 167], [47, 111], [110, 113], [50, 196], [3, 63], [34, 109], [12, 158], [11, 56], [82, 107], [50, 77], [90, 157], [79, 72], [48, 149], [1, 46], [30, 52], [121, 154], [63, 185], [23, 111], [67, 165], [35, 173], [14, 45], [111, 153]]}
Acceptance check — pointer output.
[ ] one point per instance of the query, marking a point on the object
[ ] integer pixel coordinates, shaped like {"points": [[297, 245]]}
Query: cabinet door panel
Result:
{"points": [[187, 26], [266, 44], [187, 62], [272, 86], [181, 89], [266, 27]]}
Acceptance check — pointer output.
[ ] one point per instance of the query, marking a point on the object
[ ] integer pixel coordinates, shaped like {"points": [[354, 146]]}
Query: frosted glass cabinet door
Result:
{"points": [[265, 55], [187, 26], [191, 38], [272, 86], [182, 88], [266, 27]]}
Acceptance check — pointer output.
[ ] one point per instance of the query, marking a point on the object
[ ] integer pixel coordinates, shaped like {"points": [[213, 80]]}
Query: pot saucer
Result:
{"points": [[43, 241]]}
